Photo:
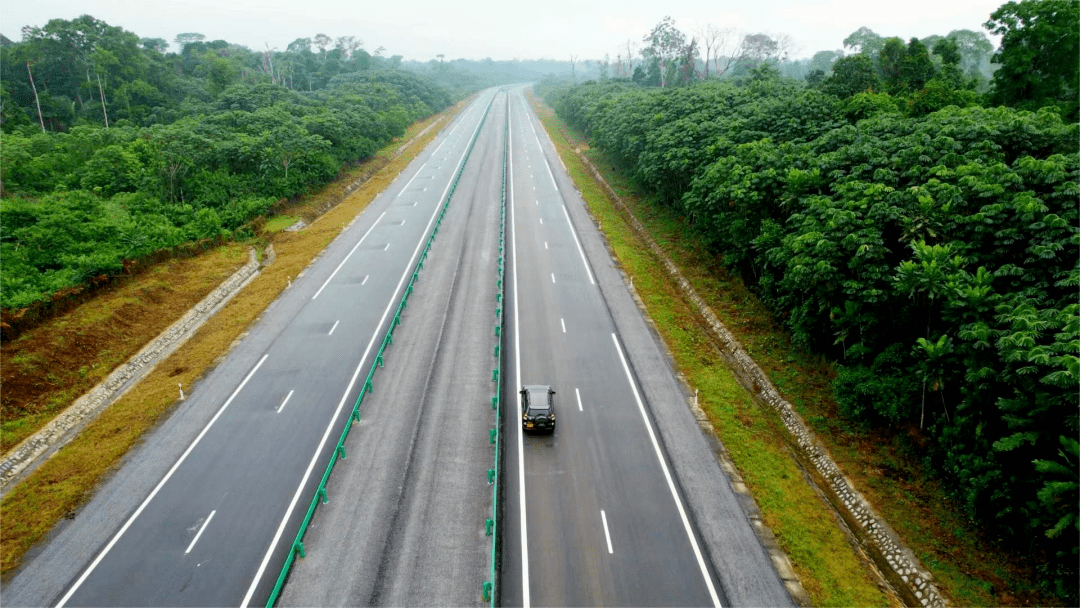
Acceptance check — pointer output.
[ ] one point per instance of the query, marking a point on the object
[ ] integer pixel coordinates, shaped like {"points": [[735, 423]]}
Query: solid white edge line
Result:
{"points": [[525, 601], [345, 396], [578, 393], [607, 535], [667, 475], [331, 332], [197, 535], [287, 397], [445, 139], [573, 233], [550, 174], [158, 487], [333, 274]]}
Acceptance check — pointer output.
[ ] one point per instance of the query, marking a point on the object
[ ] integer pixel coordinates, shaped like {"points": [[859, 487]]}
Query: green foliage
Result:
{"points": [[851, 75], [926, 244], [1039, 46], [193, 156]]}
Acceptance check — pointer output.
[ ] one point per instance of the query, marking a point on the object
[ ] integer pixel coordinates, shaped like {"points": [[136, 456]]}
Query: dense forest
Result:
{"points": [[923, 235], [113, 150]]}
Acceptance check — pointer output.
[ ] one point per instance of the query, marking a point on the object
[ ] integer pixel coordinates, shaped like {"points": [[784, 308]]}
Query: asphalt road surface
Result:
{"points": [[204, 512], [624, 504], [405, 525]]}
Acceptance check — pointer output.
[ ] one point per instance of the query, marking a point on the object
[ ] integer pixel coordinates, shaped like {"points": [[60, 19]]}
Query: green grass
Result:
{"points": [[828, 566], [279, 223]]}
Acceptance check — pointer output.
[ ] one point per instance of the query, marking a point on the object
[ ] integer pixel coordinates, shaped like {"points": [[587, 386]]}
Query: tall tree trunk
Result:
{"points": [[101, 93], [36, 102]]}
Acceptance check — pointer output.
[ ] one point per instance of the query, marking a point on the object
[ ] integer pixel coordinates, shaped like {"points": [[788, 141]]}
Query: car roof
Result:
{"points": [[532, 388]]}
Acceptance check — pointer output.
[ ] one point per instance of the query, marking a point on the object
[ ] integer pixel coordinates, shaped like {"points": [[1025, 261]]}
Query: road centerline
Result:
{"points": [[201, 529], [353, 250], [607, 535], [286, 400]]}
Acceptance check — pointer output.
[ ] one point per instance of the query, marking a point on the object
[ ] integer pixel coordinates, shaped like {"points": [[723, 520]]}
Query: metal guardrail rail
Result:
{"points": [[490, 586], [339, 451]]}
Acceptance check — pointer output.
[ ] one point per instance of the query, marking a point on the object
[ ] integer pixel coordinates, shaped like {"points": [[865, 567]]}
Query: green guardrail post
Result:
{"points": [[491, 476], [491, 435], [496, 353], [495, 375], [322, 494], [487, 591], [378, 361], [356, 415], [341, 451], [298, 546], [489, 526], [495, 402], [497, 328]]}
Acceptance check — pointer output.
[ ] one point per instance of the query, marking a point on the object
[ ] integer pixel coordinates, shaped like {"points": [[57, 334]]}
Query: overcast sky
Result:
{"points": [[475, 29]]}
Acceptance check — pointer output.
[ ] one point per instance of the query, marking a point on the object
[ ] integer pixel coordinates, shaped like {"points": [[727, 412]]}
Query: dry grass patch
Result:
{"points": [[66, 481]]}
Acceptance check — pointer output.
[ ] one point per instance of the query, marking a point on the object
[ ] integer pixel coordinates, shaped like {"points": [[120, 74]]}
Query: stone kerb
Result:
{"points": [[27, 455], [895, 560]]}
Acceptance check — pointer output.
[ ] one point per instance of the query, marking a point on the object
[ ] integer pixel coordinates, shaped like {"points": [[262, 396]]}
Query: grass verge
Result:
{"points": [[66, 481], [967, 567]]}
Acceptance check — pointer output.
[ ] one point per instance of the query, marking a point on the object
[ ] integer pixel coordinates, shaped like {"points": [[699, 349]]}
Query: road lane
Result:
{"points": [[405, 521], [602, 458], [250, 457]]}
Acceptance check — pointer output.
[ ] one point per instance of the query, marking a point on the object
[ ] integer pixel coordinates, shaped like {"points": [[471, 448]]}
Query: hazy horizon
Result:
{"points": [[555, 30]]}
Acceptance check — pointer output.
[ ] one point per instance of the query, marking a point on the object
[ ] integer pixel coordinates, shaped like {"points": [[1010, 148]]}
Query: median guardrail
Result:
{"points": [[490, 586], [320, 496]]}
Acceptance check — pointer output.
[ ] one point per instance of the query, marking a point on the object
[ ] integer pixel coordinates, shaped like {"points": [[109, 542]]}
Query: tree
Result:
{"points": [[852, 74], [322, 41], [300, 45], [975, 51], [182, 40], [159, 45], [916, 68], [665, 44], [864, 41], [762, 48], [889, 60], [949, 52], [823, 61], [1039, 46]]}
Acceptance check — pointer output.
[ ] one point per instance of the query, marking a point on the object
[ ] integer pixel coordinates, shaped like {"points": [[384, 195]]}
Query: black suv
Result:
{"points": [[537, 408]]}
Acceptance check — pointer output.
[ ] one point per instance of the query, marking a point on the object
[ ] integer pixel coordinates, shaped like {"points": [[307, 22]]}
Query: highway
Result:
{"points": [[624, 504], [405, 521], [202, 514]]}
